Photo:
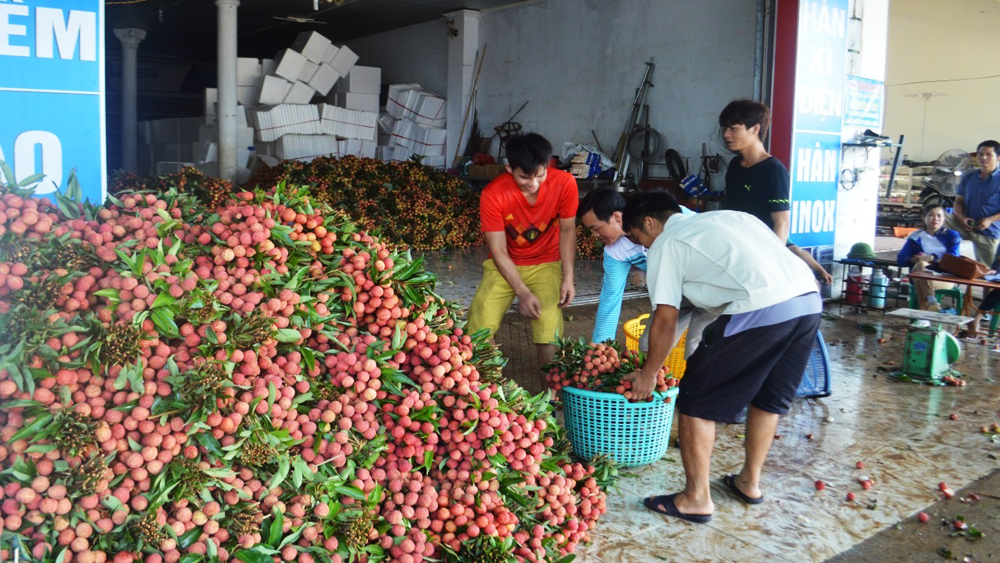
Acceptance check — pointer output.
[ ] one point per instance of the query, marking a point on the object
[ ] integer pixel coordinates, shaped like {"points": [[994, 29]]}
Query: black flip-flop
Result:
{"points": [[730, 482], [664, 504]]}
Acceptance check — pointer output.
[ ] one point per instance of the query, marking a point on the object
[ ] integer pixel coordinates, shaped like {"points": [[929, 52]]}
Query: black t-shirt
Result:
{"points": [[759, 190]]}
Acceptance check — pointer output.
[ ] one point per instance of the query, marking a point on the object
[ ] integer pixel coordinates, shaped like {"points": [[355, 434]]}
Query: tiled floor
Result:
{"points": [[901, 431]]}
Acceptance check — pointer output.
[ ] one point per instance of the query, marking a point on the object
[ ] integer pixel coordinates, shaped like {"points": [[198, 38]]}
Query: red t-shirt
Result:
{"points": [[532, 230]]}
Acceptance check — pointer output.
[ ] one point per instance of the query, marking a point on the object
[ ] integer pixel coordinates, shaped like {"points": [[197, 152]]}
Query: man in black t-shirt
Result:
{"points": [[756, 182]]}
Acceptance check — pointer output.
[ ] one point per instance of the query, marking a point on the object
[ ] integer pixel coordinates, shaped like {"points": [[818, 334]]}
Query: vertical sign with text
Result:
{"points": [[52, 93], [819, 103]]}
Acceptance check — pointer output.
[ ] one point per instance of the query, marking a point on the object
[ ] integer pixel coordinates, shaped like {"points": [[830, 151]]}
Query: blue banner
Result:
{"points": [[52, 92], [818, 119], [864, 102]]}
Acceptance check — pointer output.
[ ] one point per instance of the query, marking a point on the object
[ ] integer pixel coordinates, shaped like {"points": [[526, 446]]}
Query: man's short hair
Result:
{"points": [[657, 204], [991, 143], [528, 152], [603, 202], [747, 113]]}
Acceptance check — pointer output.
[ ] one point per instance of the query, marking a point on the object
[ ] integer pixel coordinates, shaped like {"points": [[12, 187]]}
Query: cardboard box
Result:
{"points": [[486, 170], [289, 64], [312, 45]]}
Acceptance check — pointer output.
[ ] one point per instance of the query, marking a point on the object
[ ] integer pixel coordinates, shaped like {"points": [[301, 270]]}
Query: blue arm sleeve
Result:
{"points": [[612, 290], [909, 250], [954, 243]]}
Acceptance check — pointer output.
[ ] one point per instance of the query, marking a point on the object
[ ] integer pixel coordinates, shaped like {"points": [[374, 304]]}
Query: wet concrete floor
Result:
{"points": [[902, 432]]}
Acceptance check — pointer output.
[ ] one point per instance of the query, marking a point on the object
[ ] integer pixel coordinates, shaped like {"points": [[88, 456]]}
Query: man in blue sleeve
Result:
{"points": [[977, 207], [601, 212]]}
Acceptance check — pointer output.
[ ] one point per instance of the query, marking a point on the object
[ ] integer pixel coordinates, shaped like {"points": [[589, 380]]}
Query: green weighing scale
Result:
{"points": [[929, 352]]}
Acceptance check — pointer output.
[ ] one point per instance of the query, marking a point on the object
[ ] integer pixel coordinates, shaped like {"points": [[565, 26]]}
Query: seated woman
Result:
{"points": [[924, 248]]}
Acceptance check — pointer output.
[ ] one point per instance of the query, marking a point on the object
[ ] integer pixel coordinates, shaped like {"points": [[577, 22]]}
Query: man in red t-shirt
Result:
{"points": [[529, 218]]}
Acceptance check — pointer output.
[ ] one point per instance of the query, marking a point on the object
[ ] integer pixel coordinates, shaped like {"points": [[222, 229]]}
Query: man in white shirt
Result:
{"points": [[727, 263]]}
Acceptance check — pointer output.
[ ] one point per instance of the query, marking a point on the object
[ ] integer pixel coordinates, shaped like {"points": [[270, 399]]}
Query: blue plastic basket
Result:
{"points": [[816, 380], [606, 423]]}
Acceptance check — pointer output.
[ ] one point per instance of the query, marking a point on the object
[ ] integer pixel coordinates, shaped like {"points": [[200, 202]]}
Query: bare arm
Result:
{"points": [[782, 223], [567, 255], [661, 336], [528, 304], [816, 267]]}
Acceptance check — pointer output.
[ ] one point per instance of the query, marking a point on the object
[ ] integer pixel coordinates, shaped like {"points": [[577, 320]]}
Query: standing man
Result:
{"points": [[756, 182], [753, 356], [601, 213], [977, 207], [529, 218]]}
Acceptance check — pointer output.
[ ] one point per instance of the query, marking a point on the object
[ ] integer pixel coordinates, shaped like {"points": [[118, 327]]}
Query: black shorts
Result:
{"points": [[761, 366]]}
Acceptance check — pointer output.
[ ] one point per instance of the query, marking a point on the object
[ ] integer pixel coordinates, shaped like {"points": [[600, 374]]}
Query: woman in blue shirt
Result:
{"points": [[923, 250]]}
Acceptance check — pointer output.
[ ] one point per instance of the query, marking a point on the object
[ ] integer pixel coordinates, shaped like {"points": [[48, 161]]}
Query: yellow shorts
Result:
{"points": [[494, 297]]}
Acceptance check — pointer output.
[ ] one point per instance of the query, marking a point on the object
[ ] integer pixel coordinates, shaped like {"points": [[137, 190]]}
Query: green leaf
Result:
{"points": [[163, 318], [210, 443], [163, 299], [189, 537], [255, 555], [211, 336], [279, 476], [288, 335], [113, 503], [33, 428], [274, 537]]}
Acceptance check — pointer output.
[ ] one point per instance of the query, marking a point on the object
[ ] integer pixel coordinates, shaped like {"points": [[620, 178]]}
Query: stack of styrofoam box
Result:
{"points": [[414, 123], [348, 123], [358, 90], [167, 145], [272, 123], [310, 67]]}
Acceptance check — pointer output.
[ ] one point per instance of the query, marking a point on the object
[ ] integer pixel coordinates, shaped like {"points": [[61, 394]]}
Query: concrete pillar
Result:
{"points": [[226, 113], [462, 52], [130, 38]]}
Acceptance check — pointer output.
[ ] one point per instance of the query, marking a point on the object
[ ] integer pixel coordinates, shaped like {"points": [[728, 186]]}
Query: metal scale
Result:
{"points": [[929, 352]]}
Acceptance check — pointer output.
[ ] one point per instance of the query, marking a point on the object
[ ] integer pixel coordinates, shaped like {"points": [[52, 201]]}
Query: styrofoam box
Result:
{"points": [[145, 132], [211, 98], [308, 70], [312, 45], [289, 64], [360, 102], [167, 152], [267, 66], [248, 71], [273, 90], [164, 131], [362, 80], [344, 61], [331, 53], [244, 137], [187, 130], [246, 95], [301, 93], [324, 79], [206, 151]]}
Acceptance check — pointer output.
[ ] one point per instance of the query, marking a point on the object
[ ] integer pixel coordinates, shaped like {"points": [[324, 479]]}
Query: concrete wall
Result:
{"points": [[578, 62], [418, 53], [950, 47]]}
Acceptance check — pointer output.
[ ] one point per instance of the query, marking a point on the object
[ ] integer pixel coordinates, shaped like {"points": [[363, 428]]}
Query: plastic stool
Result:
{"points": [[955, 294], [994, 319]]}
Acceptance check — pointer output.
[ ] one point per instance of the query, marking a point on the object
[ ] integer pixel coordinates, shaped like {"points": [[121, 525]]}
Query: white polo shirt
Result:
{"points": [[725, 262]]}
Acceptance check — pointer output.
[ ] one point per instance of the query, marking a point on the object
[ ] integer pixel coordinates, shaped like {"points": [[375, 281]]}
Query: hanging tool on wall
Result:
{"points": [[506, 129], [468, 109], [622, 157]]}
